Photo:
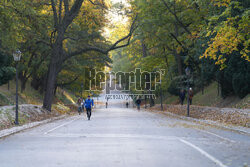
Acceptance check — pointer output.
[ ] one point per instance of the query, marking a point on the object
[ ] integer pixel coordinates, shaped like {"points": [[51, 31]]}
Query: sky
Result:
{"points": [[115, 18]]}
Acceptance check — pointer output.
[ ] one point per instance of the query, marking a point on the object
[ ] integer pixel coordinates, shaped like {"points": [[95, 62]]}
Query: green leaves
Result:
{"points": [[6, 71]]}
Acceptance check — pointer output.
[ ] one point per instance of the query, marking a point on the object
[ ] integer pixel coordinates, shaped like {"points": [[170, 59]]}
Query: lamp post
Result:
{"points": [[17, 56], [160, 88], [187, 71], [161, 97]]}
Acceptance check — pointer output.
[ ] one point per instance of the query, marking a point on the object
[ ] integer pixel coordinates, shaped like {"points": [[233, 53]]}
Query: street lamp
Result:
{"points": [[161, 97], [188, 71], [17, 56]]}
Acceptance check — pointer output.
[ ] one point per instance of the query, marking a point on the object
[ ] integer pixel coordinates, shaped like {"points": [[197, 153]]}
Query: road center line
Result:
{"points": [[217, 135], [60, 126], [203, 153]]}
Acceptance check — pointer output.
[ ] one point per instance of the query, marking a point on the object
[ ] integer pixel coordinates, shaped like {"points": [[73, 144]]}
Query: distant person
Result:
{"points": [[191, 94], [182, 96], [106, 104], [127, 104], [82, 103], [138, 103], [79, 102], [88, 104]]}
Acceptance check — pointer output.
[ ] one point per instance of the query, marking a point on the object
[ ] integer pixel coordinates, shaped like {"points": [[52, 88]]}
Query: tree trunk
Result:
{"points": [[144, 49], [54, 68], [178, 61], [55, 90], [23, 85], [176, 54], [50, 85]]}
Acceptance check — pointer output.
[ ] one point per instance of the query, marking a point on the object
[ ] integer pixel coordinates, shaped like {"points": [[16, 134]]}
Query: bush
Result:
{"points": [[6, 72]]}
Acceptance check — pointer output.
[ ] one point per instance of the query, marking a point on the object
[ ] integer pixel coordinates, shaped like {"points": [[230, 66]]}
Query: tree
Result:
{"points": [[64, 15], [6, 71]]}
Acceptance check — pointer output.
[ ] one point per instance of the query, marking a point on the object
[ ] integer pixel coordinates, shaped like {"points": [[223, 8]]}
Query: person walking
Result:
{"points": [[82, 103], [127, 104], [138, 103], [182, 96], [191, 95], [79, 102], [88, 104]]}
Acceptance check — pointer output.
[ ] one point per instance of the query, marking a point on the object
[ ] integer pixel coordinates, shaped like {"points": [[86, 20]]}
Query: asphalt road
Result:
{"points": [[120, 137]]}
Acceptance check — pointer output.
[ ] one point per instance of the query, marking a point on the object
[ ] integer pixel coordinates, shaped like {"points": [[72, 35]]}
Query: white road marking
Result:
{"points": [[203, 153], [88, 135], [217, 135], [60, 126]]}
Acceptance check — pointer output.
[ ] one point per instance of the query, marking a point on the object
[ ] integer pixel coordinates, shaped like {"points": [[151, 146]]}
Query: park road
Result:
{"points": [[121, 137]]}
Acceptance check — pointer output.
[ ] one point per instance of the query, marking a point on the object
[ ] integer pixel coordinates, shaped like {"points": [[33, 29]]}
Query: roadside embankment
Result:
{"points": [[227, 116], [30, 113]]}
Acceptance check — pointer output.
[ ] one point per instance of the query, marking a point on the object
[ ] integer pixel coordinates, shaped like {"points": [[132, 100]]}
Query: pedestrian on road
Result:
{"points": [[191, 94], [138, 103], [127, 104], [88, 104], [106, 104], [79, 102], [182, 96], [82, 103]]}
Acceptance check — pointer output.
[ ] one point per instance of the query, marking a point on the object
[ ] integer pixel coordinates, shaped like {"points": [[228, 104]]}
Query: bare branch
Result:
{"points": [[98, 4], [178, 41], [54, 13], [67, 83], [67, 20], [88, 48], [60, 11], [66, 6], [44, 42], [176, 18]]}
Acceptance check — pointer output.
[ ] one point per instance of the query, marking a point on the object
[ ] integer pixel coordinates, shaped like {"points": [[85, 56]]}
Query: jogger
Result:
{"points": [[88, 104]]}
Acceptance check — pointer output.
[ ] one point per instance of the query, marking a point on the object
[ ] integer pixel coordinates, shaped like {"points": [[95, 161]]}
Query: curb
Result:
{"points": [[13, 130]]}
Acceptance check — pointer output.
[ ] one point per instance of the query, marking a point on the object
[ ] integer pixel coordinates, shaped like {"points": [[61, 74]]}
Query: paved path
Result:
{"points": [[124, 137]]}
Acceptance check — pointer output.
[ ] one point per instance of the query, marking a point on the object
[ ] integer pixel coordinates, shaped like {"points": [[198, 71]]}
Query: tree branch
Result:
{"points": [[44, 42], [88, 48], [54, 13], [178, 41], [67, 20], [176, 18], [66, 6], [98, 4], [67, 83], [60, 11]]}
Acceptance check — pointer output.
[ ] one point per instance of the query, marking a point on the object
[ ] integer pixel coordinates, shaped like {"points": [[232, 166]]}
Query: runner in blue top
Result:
{"points": [[88, 104]]}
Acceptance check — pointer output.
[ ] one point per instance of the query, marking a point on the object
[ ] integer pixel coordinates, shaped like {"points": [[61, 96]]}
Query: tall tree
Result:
{"points": [[64, 14]]}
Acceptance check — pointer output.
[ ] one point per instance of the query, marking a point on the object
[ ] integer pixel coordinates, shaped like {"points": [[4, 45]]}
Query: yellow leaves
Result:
{"points": [[220, 3], [43, 11], [225, 42], [179, 49], [194, 35]]}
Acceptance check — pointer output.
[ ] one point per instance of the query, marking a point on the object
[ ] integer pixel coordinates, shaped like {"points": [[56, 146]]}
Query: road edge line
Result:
{"points": [[60, 126], [24, 127], [216, 161]]}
